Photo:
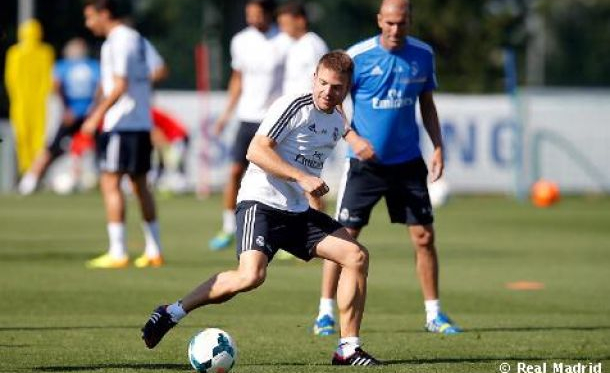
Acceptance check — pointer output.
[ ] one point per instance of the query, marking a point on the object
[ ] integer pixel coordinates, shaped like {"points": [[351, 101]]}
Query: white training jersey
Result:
{"points": [[301, 61], [260, 58], [305, 137], [124, 54], [154, 60]]}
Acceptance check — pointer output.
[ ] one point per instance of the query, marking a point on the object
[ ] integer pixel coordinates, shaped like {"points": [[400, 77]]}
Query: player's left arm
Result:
{"points": [[262, 153], [433, 128], [120, 87]]}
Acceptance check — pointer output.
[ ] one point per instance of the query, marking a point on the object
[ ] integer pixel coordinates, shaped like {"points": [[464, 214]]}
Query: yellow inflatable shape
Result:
{"points": [[29, 81]]}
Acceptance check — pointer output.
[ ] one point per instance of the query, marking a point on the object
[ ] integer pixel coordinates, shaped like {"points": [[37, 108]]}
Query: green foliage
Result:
{"points": [[580, 34], [175, 28], [468, 36]]}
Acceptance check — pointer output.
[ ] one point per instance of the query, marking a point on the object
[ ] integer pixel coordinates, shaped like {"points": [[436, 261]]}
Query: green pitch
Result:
{"points": [[57, 316]]}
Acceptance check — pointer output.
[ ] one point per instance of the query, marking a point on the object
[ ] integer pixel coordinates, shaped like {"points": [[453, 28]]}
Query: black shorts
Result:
{"points": [[61, 142], [124, 152], [266, 229], [245, 133], [403, 185]]}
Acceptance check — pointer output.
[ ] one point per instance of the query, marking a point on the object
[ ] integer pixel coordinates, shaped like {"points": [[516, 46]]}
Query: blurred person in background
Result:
{"points": [[124, 147], [170, 139], [76, 80], [392, 71], [304, 54], [258, 53], [301, 61], [28, 78]]}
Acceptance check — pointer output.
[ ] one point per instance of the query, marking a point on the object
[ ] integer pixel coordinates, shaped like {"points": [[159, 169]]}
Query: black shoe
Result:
{"points": [[159, 323], [360, 357]]}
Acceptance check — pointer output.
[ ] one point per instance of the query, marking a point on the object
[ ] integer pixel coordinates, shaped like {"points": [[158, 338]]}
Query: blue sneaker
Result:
{"points": [[324, 326], [221, 241], [443, 325]]}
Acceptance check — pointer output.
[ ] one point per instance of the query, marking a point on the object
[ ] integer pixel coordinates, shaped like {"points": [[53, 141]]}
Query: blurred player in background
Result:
{"points": [[257, 58], [170, 140], [76, 79], [125, 145], [28, 77], [304, 54], [392, 71], [287, 156], [301, 61]]}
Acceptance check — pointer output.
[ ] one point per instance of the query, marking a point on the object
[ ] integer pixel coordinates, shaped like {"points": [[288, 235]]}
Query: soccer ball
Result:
{"points": [[212, 351], [439, 192], [63, 184]]}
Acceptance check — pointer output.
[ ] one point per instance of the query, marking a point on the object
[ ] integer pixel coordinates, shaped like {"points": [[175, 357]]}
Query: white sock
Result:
{"points": [[228, 221], [347, 346], [433, 307], [28, 184], [176, 311], [116, 235], [327, 307], [152, 239]]}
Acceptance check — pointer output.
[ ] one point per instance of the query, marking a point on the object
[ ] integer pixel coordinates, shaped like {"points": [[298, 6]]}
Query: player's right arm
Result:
{"points": [[362, 147], [92, 121], [235, 83], [261, 152]]}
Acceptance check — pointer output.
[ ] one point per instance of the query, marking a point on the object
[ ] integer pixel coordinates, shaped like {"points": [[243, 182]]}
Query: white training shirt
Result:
{"points": [[305, 137], [154, 60], [124, 55], [301, 61], [260, 58]]}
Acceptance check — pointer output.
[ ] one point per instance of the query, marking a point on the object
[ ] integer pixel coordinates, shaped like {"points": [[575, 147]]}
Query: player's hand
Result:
{"points": [[363, 149], [90, 125], [313, 185], [437, 165]]}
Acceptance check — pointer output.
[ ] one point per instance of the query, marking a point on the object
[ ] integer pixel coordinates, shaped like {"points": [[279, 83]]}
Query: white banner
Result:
{"points": [[493, 143]]}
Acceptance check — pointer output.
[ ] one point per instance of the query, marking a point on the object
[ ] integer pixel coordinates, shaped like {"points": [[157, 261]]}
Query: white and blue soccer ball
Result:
{"points": [[212, 351]]}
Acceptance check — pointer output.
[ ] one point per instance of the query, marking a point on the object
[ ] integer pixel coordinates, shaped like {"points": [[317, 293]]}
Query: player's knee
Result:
{"points": [[358, 258], [423, 239], [252, 280]]}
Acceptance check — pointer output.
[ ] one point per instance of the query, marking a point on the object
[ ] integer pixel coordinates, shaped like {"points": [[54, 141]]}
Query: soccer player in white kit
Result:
{"points": [[124, 147], [304, 54], [287, 155], [257, 59]]}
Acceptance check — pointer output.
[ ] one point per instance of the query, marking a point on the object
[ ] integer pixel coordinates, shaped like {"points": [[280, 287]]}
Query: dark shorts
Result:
{"points": [[124, 152], [61, 142], [245, 133], [266, 229], [403, 185]]}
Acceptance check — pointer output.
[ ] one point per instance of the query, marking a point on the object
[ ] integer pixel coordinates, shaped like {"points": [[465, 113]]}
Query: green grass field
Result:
{"points": [[57, 316]]}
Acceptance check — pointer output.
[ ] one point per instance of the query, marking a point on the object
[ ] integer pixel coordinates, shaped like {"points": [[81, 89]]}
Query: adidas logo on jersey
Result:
{"points": [[376, 70]]}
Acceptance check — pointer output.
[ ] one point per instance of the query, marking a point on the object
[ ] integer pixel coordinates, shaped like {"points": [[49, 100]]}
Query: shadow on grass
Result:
{"points": [[77, 368], [51, 328], [24, 256], [14, 346], [489, 360], [504, 329], [148, 366], [540, 328]]}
